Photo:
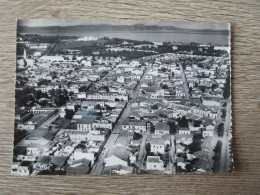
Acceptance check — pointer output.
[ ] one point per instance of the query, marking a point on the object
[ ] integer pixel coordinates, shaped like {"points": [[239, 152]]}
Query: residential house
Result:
{"points": [[162, 128], [184, 131], [154, 163], [134, 126], [85, 124], [157, 145]]}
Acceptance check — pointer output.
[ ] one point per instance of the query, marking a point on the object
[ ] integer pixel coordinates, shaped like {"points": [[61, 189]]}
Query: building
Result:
{"points": [[19, 168], [134, 126], [108, 96], [162, 128], [103, 124], [157, 145], [78, 154], [211, 101], [38, 119], [114, 161], [154, 163], [184, 130], [85, 124], [209, 131]]}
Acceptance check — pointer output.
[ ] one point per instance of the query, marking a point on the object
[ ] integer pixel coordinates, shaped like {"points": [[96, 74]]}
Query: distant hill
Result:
{"points": [[111, 28]]}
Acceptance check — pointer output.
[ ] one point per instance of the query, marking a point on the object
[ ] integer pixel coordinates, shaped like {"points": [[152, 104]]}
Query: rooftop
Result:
{"points": [[154, 159]]}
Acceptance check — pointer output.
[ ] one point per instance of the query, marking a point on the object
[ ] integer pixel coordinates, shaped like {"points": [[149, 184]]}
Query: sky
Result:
{"points": [[75, 22]]}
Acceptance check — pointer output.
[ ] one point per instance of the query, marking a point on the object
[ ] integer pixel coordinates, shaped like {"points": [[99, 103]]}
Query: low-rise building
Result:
{"points": [[157, 145], [134, 126], [154, 163], [162, 128], [184, 130]]}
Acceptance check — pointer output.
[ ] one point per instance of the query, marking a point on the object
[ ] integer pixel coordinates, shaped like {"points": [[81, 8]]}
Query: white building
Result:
{"points": [[157, 145], [154, 163]]}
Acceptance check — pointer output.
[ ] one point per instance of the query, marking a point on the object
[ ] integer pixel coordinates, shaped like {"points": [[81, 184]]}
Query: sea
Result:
{"points": [[213, 38]]}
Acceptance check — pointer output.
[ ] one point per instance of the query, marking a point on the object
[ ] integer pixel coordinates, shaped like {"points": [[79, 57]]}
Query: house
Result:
{"points": [[121, 79], [211, 101], [209, 131], [21, 115], [21, 169], [108, 96], [162, 128], [134, 126], [98, 135], [33, 149], [154, 163], [79, 135], [157, 145], [103, 124], [59, 162], [114, 161], [94, 77], [82, 114], [81, 166], [181, 163], [184, 130], [39, 137], [85, 124], [118, 170], [82, 95], [78, 154]]}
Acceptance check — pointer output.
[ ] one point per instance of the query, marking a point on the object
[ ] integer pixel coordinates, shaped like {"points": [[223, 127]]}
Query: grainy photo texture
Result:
{"points": [[122, 97]]}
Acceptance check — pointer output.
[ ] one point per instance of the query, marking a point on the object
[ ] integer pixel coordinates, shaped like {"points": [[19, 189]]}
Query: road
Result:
{"points": [[47, 123], [141, 153], [225, 159], [98, 167], [185, 84], [172, 155], [99, 164]]}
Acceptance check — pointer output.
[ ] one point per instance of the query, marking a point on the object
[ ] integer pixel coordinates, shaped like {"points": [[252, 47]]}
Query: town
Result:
{"points": [[104, 106]]}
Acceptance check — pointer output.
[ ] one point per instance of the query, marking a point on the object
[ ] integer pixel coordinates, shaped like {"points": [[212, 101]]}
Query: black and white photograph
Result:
{"points": [[120, 97]]}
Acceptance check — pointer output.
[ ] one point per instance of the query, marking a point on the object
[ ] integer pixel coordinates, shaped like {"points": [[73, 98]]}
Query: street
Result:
{"points": [[141, 153], [99, 164], [185, 84], [225, 160]]}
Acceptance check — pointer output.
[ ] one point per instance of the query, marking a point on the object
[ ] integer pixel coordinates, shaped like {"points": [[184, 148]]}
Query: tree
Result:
{"points": [[217, 155], [167, 148], [61, 100], [69, 114], [98, 107], [183, 122], [202, 88], [220, 129], [154, 107], [164, 69], [226, 92], [223, 113], [165, 86], [190, 89], [195, 146], [38, 94], [148, 148], [172, 127], [108, 107], [137, 136], [152, 130], [189, 167]]}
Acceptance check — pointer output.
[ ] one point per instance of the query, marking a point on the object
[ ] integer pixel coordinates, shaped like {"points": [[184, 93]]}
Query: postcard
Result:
{"points": [[117, 97]]}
